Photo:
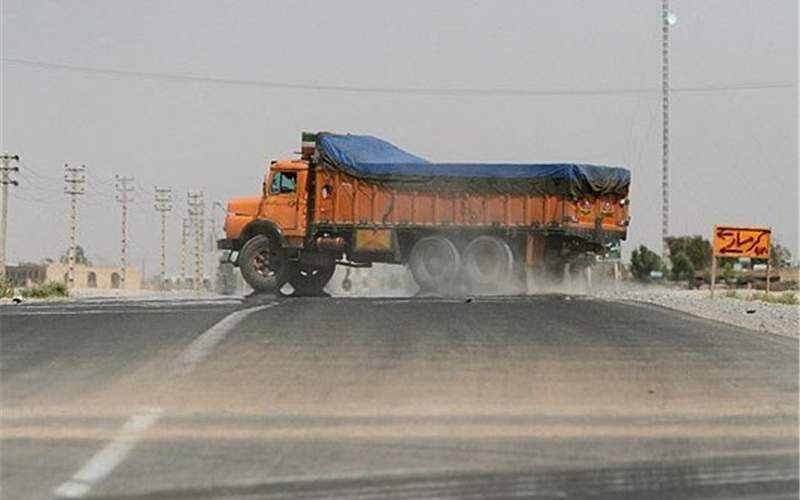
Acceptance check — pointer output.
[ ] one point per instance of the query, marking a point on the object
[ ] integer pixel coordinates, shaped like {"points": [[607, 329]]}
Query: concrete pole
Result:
{"points": [[197, 215], [199, 261], [666, 20], [163, 204], [4, 231], [124, 252], [215, 255], [71, 253], [5, 179], [185, 229], [124, 192], [163, 264], [73, 186]]}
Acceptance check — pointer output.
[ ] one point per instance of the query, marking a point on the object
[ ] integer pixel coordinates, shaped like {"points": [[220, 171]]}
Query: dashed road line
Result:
{"points": [[107, 459], [202, 345]]}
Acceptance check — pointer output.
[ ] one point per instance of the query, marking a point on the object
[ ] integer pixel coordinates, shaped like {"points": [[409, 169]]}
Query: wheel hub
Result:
{"points": [[263, 263]]}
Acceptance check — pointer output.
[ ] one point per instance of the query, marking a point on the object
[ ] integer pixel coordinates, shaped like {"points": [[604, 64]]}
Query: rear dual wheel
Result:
{"points": [[435, 263], [487, 264]]}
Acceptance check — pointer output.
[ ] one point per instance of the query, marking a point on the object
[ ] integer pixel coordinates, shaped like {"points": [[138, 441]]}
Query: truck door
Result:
{"points": [[282, 200]]}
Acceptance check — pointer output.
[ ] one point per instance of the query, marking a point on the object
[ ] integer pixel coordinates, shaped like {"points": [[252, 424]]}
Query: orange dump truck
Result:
{"points": [[354, 200]]}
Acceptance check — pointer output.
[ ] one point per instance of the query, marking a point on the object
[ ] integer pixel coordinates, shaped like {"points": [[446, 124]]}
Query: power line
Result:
{"points": [[38, 185], [53, 204], [29, 168], [426, 91]]}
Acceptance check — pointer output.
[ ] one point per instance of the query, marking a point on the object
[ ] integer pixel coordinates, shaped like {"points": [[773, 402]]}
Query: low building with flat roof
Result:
{"points": [[90, 277]]}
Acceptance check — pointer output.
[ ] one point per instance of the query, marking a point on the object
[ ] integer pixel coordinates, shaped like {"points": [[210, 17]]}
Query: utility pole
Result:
{"points": [[186, 231], [124, 192], [215, 255], [163, 204], [6, 170], [667, 19], [74, 177], [197, 214]]}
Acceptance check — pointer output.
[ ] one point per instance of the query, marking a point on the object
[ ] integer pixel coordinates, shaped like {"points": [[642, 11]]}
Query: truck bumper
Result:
{"points": [[225, 244]]}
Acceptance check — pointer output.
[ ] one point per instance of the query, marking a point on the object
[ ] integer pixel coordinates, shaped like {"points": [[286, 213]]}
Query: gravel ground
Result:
{"points": [[779, 319]]}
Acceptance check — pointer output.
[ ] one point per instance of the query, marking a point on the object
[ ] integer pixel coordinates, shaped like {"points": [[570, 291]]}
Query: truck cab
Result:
{"points": [[282, 208], [266, 233], [286, 196]]}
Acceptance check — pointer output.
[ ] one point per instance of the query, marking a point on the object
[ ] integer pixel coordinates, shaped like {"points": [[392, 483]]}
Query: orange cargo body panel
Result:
{"points": [[345, 200]]}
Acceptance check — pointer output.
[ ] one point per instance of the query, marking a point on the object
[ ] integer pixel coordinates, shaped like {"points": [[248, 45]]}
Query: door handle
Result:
{"points": [[292, 203]]}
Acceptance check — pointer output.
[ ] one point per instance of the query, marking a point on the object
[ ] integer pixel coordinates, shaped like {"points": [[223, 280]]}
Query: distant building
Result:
{"points": [[100, 277], [26, 274]]}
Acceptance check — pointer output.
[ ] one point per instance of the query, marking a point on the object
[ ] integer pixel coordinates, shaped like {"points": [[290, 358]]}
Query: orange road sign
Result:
{"points": [[736, 241]]}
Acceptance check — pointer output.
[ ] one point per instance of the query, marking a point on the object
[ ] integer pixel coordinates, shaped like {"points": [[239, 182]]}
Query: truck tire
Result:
{"points": [[310, 280], [434, 263], [264, 264], [488, 263]]}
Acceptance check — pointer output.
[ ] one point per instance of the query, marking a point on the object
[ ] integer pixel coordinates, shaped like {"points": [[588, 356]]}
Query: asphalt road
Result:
{"points": [[537, 397]]}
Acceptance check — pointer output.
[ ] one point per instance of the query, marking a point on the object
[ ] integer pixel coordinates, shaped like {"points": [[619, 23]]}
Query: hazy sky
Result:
{"points": [[734, 151]]}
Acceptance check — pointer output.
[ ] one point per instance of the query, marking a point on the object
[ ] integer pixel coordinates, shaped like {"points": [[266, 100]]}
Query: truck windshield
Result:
{"points": [[284, 182]]}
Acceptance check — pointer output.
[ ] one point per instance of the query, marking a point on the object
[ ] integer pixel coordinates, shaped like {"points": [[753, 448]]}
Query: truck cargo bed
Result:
{"points": [[364, 181]]}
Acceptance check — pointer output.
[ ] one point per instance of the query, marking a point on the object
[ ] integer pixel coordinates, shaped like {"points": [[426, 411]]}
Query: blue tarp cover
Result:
{"points": [[368, 157]]}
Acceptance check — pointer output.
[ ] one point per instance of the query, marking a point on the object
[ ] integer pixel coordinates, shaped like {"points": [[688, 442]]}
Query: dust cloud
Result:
{"points": [[390, 280]]}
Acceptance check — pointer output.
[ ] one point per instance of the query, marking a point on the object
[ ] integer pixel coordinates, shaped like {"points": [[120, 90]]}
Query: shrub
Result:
{"points": [[643, 261], [682, 267], [731, 294], [49, 289], [697, 248], [788, 298], [780, 256], [6, 290]]}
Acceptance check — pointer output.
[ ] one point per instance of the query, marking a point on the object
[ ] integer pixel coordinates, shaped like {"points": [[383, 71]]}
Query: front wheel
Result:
{"points": [[264, 264], [310, 280]]}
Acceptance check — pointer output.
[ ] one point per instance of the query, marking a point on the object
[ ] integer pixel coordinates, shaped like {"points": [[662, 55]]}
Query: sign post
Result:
{"points": [[713, 272], [739, 241]]}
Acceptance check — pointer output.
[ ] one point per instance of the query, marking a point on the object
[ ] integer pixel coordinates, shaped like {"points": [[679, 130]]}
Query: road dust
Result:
{"points": [[388, 280]]}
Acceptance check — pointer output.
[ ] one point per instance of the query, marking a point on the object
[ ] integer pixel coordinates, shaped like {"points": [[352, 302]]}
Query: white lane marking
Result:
{"points": [[202, 345], [107, 459]]}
